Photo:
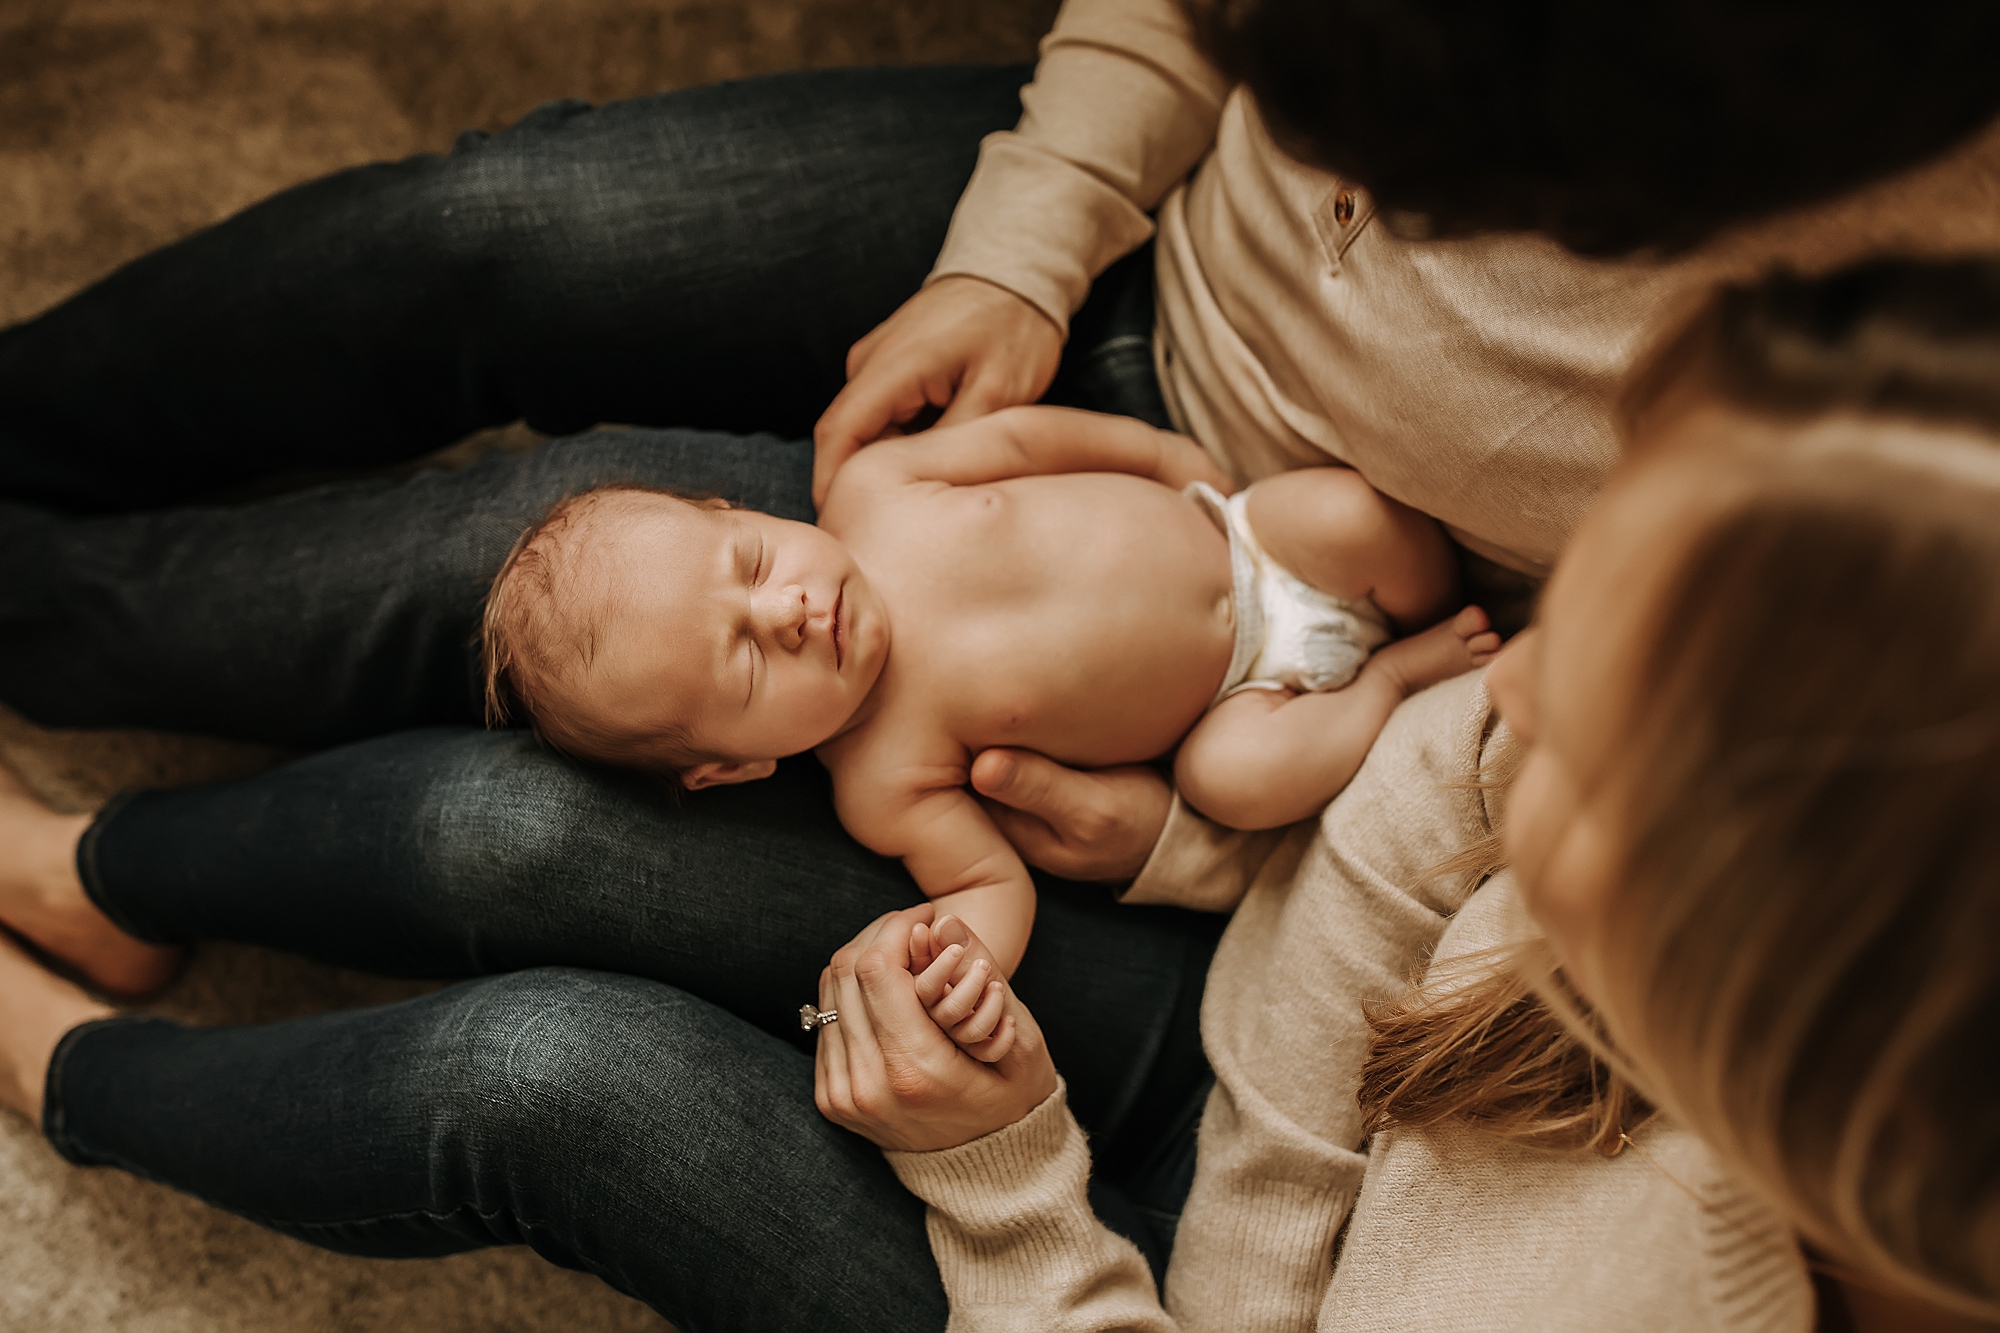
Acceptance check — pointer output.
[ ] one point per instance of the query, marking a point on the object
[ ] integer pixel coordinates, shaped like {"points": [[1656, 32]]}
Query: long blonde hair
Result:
{"points": [[1803, 959]]}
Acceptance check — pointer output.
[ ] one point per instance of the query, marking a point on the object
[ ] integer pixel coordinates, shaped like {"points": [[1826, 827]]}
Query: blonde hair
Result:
{"points": [[535, 632], [1803, 959]]}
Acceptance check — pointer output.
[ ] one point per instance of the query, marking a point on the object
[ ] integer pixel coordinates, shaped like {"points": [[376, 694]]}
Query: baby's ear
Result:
{"points": [[716, 773]]}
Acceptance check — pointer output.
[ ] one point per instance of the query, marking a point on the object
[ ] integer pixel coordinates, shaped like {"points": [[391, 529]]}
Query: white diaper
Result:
{"points": [[1289, 634]]}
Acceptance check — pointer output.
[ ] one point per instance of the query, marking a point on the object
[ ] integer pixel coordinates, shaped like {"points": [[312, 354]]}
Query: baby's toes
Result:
{"points": [[1483, 646]]}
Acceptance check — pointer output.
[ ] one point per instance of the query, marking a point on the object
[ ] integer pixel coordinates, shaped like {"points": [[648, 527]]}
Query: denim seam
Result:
{"points": [[614, 1276], [54, 1120], [91, 875]]}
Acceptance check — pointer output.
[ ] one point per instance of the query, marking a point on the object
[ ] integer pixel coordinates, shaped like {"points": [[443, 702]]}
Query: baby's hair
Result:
{"points": [[531, 634]]}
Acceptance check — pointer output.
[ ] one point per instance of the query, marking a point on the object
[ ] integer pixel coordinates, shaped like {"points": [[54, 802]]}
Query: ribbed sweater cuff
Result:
{"points": [[995, 1180], [1014, 1235]]}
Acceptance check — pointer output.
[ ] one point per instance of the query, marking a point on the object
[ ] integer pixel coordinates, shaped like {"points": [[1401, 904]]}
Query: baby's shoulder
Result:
{"points": [[885, 768]]}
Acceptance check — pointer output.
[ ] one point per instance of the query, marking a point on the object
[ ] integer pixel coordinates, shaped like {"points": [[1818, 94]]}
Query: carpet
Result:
{"points": [[123, 125]]}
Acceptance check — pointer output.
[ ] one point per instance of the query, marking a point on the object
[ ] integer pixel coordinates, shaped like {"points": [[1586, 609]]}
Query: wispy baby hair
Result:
{"points": [[537, 631]]}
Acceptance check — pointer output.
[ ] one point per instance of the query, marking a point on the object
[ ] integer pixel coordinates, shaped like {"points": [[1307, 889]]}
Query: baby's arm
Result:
{"points": [[953, 850], [1032, 441], [1265, 758]]}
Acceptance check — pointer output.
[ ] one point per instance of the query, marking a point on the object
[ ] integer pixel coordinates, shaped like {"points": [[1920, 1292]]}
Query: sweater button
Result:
{"points": [[1343, 207]]}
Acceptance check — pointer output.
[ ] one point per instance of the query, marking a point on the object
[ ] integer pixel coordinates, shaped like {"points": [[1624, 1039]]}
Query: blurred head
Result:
{"points": [[1755, 813], [636, 627], [1612, 127]]}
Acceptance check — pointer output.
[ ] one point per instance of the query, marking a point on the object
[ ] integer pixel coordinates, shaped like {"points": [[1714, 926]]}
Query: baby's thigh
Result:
{"points": [[1332, 529]]}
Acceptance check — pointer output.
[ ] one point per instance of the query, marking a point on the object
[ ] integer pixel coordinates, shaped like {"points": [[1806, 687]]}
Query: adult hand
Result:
{"points": [[1094, 825], [890, 1074], [960, 344]]}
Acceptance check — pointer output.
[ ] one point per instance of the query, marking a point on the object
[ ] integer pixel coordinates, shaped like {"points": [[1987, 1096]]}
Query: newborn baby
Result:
{"points": [[1036, 578]]}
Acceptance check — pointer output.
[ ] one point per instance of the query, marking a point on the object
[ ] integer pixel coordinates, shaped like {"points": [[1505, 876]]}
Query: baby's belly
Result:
{"points": [[1122, 628]]}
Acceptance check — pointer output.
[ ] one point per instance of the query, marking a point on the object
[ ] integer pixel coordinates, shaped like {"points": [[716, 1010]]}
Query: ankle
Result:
{"points": [[37, 1009]]}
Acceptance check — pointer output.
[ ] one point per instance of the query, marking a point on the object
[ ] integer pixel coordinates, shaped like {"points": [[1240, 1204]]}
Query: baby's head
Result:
{"points": [[636, 627]]}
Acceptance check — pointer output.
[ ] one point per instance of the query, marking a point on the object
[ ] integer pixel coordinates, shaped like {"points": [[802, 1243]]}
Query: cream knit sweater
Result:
{"points": [[1473, 380], [1448, 1231]]}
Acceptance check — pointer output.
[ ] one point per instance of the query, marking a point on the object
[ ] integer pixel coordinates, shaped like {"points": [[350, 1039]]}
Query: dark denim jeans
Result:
{"points": [[620, 1083]]}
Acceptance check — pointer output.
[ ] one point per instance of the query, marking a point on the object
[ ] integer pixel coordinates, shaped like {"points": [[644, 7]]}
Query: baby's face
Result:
{"points": [[759, 635]]}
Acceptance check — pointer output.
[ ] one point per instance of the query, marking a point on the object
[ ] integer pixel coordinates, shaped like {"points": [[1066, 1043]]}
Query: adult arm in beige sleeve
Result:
{"points": [[1284, 1026], [1198, 863], [1122, 106], [1010, 1224], [1017, 1244]]}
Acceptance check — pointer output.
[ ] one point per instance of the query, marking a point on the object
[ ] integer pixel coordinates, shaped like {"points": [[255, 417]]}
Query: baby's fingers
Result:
{"points": [[965, 995], [994, 1049], [985, 1019], [935, 980]]}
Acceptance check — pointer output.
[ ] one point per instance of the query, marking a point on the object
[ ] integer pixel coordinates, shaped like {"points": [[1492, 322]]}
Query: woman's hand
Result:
{"points": [[960, 344], [890, 1074], [1094, 825]]}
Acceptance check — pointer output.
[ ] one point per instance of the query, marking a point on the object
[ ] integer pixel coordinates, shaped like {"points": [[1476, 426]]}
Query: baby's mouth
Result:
{"points": [[839, 629]]}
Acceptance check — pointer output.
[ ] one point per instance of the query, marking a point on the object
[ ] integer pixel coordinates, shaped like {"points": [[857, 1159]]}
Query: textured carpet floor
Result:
{"points": [[127, 123]]}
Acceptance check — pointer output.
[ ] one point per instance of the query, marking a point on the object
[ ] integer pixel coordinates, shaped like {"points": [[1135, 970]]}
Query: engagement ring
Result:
{"points": [[812, 1017]]}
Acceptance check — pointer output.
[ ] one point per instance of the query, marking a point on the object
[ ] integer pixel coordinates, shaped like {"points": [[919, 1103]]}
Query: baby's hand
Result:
{"points": [[959, 989]]}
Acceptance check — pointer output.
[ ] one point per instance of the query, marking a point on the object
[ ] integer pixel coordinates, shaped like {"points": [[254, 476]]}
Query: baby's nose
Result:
{"points": [[789, 614]]}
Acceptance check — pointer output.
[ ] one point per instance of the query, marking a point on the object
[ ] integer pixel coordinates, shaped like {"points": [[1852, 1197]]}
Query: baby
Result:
{"points": [[1036, 579]]}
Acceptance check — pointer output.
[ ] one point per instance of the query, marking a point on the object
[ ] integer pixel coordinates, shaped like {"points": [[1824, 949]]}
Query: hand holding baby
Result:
{"points": [[931, 1050]]}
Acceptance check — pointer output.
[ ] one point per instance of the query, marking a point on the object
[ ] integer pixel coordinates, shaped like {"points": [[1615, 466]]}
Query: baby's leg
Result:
{"points": [[1265, 758], [1335, 531]]}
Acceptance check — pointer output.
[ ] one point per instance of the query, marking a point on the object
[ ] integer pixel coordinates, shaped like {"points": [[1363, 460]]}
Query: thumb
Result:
{"points": [[1031, 783]]}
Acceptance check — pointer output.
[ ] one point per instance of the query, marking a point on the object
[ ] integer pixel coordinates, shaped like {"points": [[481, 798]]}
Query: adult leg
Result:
{"points": [[347, 610], [457, 853], [339, 612], [615, 1125], [700, 258]]}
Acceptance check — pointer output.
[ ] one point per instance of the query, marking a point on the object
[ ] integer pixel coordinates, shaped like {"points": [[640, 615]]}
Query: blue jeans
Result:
{"points": [[618, 1082]]}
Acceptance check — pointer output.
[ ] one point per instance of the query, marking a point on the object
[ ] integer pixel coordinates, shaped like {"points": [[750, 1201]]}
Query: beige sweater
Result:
{"points": [[1473, 380], [1470, 379], [1449, 1231]]}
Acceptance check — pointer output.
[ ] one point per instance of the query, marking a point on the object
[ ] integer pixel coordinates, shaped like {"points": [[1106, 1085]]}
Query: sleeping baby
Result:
{"points": [[1040, 578]]}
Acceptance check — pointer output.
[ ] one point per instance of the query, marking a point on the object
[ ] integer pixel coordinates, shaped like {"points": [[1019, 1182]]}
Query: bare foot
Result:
{"points": [[1449, 648], [36, 1008], [42, 900]]}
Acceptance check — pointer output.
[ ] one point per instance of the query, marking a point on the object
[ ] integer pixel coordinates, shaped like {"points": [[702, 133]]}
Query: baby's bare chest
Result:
{"points": [[1086, 617]]}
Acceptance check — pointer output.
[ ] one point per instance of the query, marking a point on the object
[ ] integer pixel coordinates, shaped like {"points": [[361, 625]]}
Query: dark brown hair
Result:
{"points": [[1613, 127]]}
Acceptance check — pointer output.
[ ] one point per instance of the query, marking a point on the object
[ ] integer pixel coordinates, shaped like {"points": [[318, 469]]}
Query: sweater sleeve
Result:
{"points": [[1284, 1024], [1121, 108], [1200, 864], [1016, 1241], [1011, 1226]]}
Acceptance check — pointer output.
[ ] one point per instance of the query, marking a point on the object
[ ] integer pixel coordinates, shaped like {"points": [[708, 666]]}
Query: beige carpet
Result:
{"points": [[126, 123]]}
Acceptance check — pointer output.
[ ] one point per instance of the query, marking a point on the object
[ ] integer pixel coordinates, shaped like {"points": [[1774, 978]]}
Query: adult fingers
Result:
{"points": [[867, 409], [1098, 825], [832, 1089], [990, 383]]}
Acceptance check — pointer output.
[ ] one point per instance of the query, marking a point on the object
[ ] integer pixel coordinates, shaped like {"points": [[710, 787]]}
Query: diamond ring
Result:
{"points": [[812, 1017]]}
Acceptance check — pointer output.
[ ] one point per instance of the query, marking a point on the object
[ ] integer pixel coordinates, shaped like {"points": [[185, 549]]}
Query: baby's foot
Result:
{"points": [[36, 1008], [42, 900], [961, 994], [1449, 648]]}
